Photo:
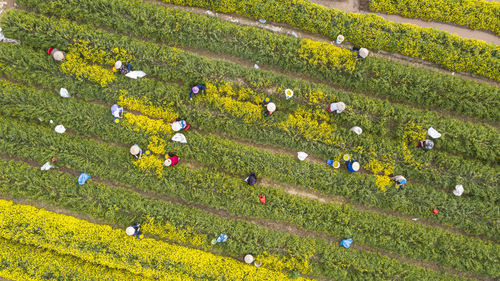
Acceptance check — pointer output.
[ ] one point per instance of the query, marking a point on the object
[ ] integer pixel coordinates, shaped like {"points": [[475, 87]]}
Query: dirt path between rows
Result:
{"points": [[362, 7], [275, 225], [293, 31]]}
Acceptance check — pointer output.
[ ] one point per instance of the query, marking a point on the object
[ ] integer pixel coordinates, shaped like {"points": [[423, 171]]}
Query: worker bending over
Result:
{"points": [[400, 181], [136, 151], [425, 144], [171, 160], [196, 89], [179, 124]]}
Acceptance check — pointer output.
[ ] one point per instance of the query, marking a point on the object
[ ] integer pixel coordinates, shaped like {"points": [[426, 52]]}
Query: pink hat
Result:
{"points": [[195, 89]]}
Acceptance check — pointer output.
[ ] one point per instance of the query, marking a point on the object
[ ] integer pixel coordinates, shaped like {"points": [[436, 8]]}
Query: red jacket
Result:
{"points": [[174, 159]]}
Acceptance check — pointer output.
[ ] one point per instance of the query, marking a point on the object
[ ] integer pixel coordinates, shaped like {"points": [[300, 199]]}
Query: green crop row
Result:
{"points": [[125, 206], [414, 203], [374, 76], [218, 190], [370, 31], [478, 141], [476, 14]]}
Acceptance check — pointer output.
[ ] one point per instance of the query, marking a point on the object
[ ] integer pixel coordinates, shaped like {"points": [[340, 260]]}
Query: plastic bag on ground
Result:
{"points": [[433, 133], [135, 74], [346, 243], [64, 93], [60, 129], [459, 189], [179, 138], [356, 130], [302, 155], [1, 35], [83, 178], [47, 166]]}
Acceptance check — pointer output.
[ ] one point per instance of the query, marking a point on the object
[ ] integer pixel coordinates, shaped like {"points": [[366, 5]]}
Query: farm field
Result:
{"points": [[54, 227]]}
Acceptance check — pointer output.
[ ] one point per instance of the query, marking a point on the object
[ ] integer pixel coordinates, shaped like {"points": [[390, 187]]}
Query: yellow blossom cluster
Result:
{"points": [[147, 125], [147, 108], [325, 55], [157, 145], [166, 230], [151, 164], [242, 103]]}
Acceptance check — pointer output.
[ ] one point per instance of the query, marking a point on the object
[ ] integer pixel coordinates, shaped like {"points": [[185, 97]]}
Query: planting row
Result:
{"points": [[25, 105], [321, 60], [368, 30], [209, 187], [125, 206], [112, 247], [476, 14]]}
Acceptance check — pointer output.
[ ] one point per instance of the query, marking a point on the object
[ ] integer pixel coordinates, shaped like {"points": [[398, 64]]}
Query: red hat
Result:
{"points": [[50, 50], [435, 211]]}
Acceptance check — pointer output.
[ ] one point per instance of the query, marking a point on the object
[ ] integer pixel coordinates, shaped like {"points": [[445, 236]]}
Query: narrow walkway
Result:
{"points": [[353, 6]]}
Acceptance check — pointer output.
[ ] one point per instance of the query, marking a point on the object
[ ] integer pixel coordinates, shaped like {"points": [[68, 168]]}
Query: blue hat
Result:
{"points": [[403, 182]]}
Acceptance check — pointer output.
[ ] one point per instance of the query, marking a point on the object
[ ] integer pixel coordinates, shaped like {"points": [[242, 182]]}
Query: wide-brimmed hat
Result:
{"points": [[249, 259], [363, 52], [118, 64], [355, 166], [135, 149], [341, 106], [176, 126], [58, 55], [271, 107], [195, 89], [130, 231], [167, 162]]}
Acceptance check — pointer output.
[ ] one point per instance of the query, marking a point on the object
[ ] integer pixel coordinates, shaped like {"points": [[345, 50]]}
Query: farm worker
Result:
{"points": [[120, 66], [271, 107], [400, 181], [352, 166], [179, 124], [135, 230], [171, 160], [249, 259], [57, 55], [425, 144], [117, 111], [336, 107], [136, 151], [251, 179], [196, 89], [362, 52]]}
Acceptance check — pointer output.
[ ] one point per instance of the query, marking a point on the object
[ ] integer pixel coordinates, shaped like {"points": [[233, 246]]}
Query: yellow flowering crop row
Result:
{"points": [[240, 103], [147, 108], [157, 145], [476, 14], [326, 55], [151, 164], [113, 248], [95, 55], [29, 263], [168, 231]]}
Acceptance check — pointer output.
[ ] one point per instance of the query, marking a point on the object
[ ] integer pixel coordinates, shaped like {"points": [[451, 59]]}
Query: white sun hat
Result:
{"points": [[363, 52], [355, 166], [130, 231], [271, 107], [135, 149], [58, 56], [118, 64], [249, 259], [176, 126], [340, 39], [167, 162]]}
